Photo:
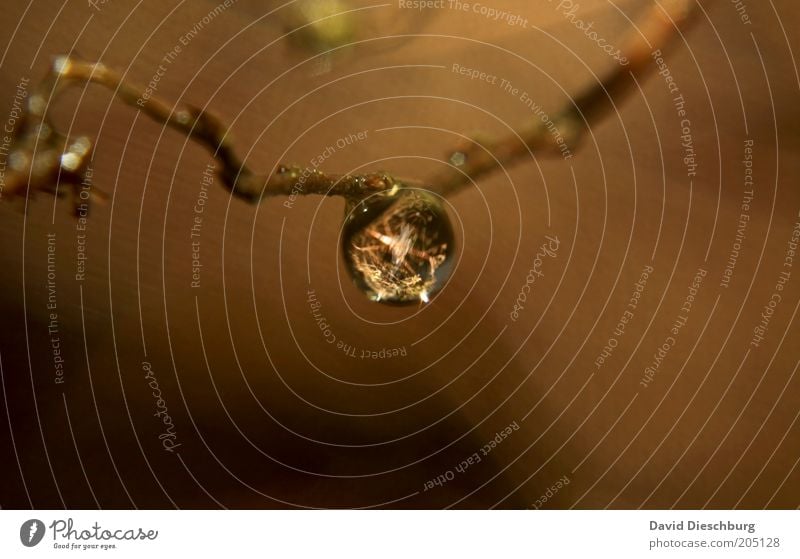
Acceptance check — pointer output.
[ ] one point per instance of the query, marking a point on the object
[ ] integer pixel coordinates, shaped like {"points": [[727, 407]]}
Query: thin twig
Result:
{"points": [[654, 31], [41, 158]]}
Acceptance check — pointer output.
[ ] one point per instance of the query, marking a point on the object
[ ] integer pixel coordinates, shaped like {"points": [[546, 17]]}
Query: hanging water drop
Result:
{"points": [[398, 245]]}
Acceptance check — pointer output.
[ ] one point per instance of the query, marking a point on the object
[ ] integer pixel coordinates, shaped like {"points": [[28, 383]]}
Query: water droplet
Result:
{"points": [[458, 158], [398, 245]]}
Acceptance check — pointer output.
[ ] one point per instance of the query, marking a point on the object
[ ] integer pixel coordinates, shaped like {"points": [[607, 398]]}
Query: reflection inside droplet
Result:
{"points": [[398, 245]]}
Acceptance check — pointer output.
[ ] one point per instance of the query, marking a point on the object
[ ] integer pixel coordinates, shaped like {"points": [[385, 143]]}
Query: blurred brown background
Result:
{"points": [[266, 412]]}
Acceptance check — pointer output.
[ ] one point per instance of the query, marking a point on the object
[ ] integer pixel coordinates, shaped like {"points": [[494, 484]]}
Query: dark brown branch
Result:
{"points": [[653, 32], [41, 157]]}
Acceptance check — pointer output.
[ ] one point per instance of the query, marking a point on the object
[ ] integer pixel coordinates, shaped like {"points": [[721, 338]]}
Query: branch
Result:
{"points": [[41, 158], [654, 31]]}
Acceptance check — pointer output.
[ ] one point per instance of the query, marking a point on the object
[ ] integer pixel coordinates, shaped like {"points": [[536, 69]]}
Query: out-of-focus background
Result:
{"points": [[275, 383]]}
